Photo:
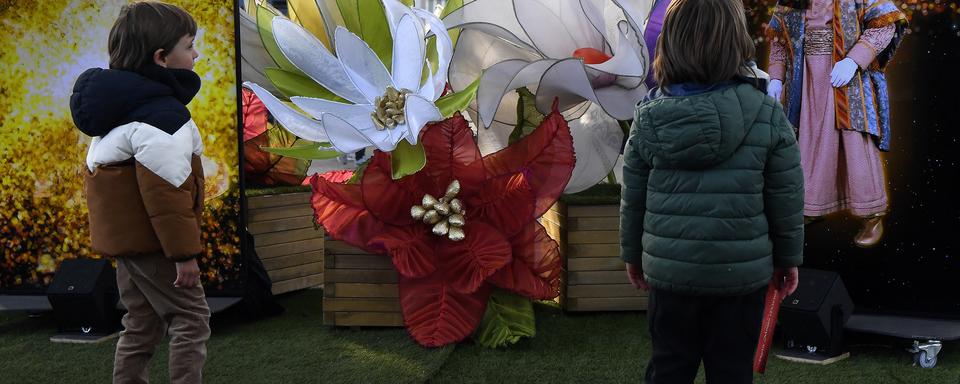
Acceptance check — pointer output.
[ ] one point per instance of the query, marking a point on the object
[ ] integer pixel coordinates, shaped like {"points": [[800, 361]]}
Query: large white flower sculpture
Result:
{"points": [[383, 107], [588, 54]]}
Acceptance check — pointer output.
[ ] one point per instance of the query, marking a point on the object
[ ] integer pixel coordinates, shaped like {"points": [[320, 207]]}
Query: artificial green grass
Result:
{"points": [[296, 348], [292, 348]]}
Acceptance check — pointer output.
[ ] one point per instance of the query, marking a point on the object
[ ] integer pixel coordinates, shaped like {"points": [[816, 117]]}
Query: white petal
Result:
{"points": [[636, 11], [362, 65], [290, 119], [626, 61], [572, 17], [501, 79], [495, 137], [493, 17], [596, 141], [419, 112], [428, 90], [312, 58], [567, 81], [395, 10], [619, 102], [355, 114], [254, 57], [345, 137], [444, 51], [545, 29], [408, 53]]}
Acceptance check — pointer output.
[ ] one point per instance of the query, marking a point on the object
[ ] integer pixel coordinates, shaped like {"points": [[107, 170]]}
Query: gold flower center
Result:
{"points": [[446, 214], [389, 109]]}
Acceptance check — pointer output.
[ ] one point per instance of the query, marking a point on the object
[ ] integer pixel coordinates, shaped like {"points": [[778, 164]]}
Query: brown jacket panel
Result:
{"points": [[134, 211]]}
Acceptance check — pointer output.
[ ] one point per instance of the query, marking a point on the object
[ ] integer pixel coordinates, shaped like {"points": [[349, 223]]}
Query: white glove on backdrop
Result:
{"points": [[775, 88], [843, 72]]}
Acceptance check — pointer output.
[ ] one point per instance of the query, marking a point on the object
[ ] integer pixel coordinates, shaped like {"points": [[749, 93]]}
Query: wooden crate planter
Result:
{"points": [[360, 289], [595, 278], [287, 241]]}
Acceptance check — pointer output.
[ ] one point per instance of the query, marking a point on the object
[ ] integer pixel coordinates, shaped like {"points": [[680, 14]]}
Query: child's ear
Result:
{"points": [[159, 58]]}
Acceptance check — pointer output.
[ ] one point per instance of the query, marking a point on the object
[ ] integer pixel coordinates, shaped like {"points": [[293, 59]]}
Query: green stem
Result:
{"points": [[611, 178]]}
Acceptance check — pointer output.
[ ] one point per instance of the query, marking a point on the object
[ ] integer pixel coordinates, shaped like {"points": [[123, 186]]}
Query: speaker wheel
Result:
{"points": [[926, 360]]}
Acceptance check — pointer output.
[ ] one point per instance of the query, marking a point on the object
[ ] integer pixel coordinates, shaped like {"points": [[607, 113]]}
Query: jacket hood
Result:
{"points": [[697, 131], [104, 99]]}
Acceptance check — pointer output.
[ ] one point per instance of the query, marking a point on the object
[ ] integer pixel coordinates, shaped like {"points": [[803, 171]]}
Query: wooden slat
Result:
{"points": [[595, 264], [341, 248], [607, 304], [296, 284], [296, 271], [363, 262], [361, 304], [593, 250], [593, 237], [606, 290], [292, 260], [278, 225], [264, 214], [361, 276], [363, 290], [593, 211], [288, 236], [363, 319], [280, 200], [594, 223], [290, 248], [597, 277]]}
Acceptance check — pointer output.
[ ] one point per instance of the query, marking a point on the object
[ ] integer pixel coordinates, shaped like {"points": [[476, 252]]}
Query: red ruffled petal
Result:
{"points": [[536, 266], [254, 115], [467, 263], [506, 202], [410, 247], [435, 314], [388, 199], [545, 158], [337, 176], [451, 154], [340, 210]]}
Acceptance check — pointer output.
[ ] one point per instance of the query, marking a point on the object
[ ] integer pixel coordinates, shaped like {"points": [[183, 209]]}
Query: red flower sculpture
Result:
{"points": [[448, 265]]}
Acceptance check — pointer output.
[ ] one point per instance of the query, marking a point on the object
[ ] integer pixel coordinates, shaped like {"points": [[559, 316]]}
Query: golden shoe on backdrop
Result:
{"points": [[870, 233]]}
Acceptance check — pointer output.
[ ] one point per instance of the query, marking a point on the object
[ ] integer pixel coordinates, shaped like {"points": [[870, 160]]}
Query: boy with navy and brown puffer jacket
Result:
{"points": [[145, 186]]}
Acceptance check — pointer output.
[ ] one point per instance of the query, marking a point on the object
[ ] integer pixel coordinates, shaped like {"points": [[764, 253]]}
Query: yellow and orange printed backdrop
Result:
{"points": [[43, 215]]}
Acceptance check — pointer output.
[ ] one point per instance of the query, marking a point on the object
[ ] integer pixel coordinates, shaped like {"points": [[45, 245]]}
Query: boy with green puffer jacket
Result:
{"points": [[712, 202]]}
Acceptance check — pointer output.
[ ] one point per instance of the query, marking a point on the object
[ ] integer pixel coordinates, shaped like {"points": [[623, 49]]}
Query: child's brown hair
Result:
{"points": [[144, 27], [702, 41]]}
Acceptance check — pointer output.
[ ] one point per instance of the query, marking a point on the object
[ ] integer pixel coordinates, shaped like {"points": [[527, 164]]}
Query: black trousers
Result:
{"points": [[722, 331]]}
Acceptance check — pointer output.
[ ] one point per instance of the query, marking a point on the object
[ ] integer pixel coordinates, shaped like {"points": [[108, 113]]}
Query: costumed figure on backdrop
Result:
{"points": [[827, 59]]}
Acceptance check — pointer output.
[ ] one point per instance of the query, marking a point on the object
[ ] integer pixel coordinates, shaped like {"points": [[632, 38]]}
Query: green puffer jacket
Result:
{"points": [[712, 192]]}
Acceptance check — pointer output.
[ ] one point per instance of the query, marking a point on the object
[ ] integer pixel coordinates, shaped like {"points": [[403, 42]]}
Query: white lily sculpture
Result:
{"points": [[382, 107], [588, 54]]}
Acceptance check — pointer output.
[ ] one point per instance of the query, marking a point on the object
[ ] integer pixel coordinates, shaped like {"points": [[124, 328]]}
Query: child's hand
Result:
{"points": [[188, 274], [788, 278], [635, 274]]}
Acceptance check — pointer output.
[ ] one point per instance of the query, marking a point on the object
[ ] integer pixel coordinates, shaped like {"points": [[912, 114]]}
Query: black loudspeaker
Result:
{"points": [[813, 317], [84, 297]]}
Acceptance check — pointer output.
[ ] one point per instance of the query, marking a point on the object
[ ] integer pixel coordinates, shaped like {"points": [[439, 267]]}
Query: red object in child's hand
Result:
{"points": [[771, 308], [591, 55]]}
